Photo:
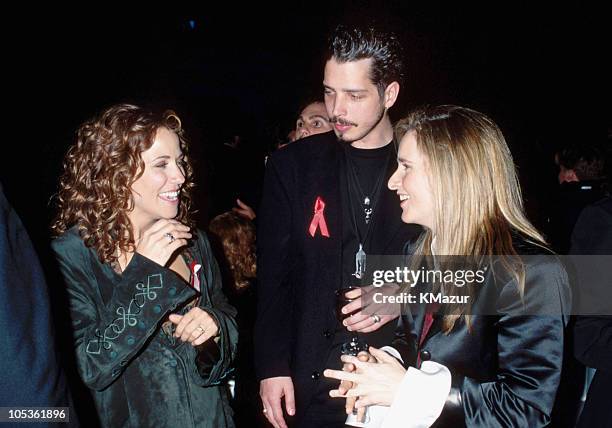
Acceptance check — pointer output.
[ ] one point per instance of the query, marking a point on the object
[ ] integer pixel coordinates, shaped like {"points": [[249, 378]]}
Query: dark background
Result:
{"points": [[539, 71], [244, 69]]}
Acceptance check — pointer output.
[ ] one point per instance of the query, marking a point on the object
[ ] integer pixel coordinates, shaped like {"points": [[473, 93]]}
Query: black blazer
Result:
{"points": [[593, 335], [298, 273], [506, 370]]}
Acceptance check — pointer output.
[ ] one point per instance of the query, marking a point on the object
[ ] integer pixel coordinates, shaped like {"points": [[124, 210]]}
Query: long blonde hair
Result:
{"points": [[477, 197]]}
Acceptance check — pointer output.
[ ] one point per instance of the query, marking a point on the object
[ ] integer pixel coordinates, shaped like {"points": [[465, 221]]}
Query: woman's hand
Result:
{"points": [[373, 382], [162, 239], [243, 210], [345, 386], [195, 327]]}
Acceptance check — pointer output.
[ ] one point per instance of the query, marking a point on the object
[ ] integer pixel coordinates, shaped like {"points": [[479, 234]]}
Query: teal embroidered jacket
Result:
{"points": [[139, 375]]}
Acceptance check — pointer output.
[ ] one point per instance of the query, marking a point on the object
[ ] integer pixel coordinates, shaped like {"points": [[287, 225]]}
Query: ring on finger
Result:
{"points": [[375, 318], [170, 237]]}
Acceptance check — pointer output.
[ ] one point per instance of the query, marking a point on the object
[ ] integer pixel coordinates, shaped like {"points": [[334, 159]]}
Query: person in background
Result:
{"points": [[31, 375], [593, 334], [233, 239], [582, 182], [313, 119], [235, 236]]}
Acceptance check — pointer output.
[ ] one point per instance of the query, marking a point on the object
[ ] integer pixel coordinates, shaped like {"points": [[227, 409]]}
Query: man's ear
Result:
{"points": [[391, 93]]}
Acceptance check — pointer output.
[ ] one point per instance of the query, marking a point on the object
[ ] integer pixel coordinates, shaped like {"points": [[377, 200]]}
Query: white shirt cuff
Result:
{"points": [[418, 401], [375, 415], [420, 397]]}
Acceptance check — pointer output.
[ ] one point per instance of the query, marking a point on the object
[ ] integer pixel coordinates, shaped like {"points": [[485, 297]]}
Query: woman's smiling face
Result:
{"points": [[411, 182], [157, 191]]}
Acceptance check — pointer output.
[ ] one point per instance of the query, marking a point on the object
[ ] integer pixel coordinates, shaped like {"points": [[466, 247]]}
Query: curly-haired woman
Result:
{"points": [[144, 288]]}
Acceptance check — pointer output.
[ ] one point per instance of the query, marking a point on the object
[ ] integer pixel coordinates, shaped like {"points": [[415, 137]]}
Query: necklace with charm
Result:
{"points": [[367, 209], [368, 204], [366, 199]]}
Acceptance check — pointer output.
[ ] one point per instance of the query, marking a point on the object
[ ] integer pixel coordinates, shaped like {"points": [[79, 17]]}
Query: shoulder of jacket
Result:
{"points": [[306, 148], [70, 240]]}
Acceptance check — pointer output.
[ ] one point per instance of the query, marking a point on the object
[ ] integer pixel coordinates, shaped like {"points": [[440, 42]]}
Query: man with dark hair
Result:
{"points": [[580, 164], [349, 44], [312, 120], [325, 207], [581, 182]]}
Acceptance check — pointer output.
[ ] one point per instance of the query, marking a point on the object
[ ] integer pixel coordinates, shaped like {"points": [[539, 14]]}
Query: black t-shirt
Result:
{"points": [[369, 166]]}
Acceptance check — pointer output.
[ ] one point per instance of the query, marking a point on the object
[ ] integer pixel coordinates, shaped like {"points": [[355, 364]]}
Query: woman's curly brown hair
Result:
{"points": [[99, 170], [236, 236]]}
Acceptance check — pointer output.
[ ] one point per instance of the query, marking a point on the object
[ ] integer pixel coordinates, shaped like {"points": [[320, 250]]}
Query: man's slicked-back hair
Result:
{"points": [[353, 43]]}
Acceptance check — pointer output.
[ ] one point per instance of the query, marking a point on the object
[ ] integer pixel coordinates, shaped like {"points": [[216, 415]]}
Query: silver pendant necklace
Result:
{"points": [[360, 263], [368, 210]]}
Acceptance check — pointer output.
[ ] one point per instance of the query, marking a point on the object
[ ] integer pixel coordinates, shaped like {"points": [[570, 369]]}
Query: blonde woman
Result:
{"points": [[496, 360]]}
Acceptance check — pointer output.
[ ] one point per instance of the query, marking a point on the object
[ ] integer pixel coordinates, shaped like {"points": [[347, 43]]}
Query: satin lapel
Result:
{"points": [[419, 317]]}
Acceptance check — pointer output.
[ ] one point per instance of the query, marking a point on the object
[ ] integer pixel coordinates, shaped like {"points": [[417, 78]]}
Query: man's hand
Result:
{"points": [[271, 391], [371, 317]]}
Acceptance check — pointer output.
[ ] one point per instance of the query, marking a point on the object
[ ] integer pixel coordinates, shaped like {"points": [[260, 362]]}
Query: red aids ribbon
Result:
{"points": [[318, 220], [195, 267]]}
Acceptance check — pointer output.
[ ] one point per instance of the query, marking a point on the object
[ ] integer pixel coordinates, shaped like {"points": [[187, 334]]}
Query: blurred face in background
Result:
{"points": [[312, 120], [565, 175]]}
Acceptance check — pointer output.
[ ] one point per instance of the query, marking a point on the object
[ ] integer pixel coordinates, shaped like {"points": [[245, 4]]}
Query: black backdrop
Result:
{"points": [[244, 68], [540, 72]]}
